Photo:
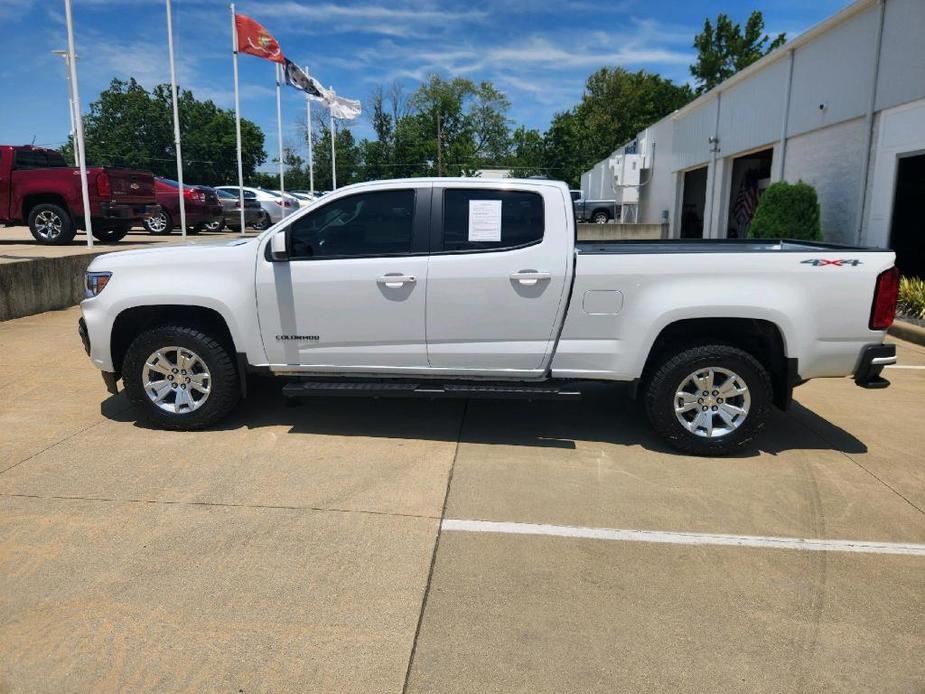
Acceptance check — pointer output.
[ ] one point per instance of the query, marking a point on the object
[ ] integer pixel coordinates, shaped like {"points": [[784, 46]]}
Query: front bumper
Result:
{"points": [[873, 359], [109, 378], [116, 210]]}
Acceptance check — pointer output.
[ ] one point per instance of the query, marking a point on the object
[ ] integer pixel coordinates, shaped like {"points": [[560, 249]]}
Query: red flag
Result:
{"points": [[253, 39]]}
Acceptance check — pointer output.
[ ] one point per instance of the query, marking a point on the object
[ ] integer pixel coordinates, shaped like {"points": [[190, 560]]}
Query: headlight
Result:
{"points": [[95, 282]]}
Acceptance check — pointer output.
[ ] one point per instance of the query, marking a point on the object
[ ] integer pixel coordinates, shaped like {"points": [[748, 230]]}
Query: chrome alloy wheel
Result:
{"points": [[48, 225], [176, 379], [158, 223], [712, 402]]}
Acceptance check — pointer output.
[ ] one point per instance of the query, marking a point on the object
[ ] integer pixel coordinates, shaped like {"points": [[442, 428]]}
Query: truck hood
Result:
{"points": [[197, 252]]}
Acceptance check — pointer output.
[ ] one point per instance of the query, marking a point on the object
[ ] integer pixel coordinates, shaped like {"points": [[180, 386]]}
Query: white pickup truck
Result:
{"points": [[470, 288]]}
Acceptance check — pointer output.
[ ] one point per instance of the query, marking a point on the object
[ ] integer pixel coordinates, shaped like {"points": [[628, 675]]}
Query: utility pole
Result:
{"points": [[439, 145]]}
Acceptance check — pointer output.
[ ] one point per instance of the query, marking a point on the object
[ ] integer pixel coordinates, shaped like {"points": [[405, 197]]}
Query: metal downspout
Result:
{"points": [[869, 125], [785, 121]]}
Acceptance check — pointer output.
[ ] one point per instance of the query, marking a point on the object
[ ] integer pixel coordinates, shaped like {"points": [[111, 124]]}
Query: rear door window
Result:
{"points": [[30, 159], [521, 219]]}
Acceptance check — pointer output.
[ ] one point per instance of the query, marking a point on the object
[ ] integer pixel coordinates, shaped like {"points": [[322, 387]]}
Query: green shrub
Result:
{"points": [[911, 297], [787, 211]]}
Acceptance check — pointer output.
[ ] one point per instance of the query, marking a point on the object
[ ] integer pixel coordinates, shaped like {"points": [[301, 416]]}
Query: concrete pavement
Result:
{"points": [[298, 548]]}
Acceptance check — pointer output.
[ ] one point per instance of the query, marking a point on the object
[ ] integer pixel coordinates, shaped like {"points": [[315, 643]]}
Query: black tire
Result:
{"points": [[600, 217], [225, 387], [262, 222], [660, 393], [214, 226], [235, 229], [114, 233], [51, 225], [160, 227], [194, 229]]}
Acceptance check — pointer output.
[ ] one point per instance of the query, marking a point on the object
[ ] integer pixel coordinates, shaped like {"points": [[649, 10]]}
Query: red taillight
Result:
{"points": [[883, 310], [103, 186], [194, 194]]}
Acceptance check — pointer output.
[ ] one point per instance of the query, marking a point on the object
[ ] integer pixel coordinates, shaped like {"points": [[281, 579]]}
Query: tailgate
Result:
{"points": [[131, 185]]}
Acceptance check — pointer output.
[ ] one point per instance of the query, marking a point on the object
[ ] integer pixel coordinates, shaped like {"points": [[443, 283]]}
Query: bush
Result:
{"points": [[787, 211], [911, 297]]}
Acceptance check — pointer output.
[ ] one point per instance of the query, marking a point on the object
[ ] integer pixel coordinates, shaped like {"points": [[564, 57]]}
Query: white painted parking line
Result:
{"points": [[677, 538], [904, 366]]}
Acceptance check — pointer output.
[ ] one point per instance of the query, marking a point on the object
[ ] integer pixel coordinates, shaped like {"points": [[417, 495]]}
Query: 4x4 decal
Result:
{"points": [[841, 262]]}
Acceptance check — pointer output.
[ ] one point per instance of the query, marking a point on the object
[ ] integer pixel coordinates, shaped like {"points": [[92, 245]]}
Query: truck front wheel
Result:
{"points": [[709, 399], [179, 377], [51, 225]]}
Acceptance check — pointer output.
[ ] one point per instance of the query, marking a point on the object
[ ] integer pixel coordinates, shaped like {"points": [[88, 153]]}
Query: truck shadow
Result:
{"points": [[605, 415]]}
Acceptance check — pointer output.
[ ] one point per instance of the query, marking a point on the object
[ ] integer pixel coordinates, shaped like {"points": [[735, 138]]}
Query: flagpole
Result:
{"points": [[176, 121], [311, 163], [237, 113], [79, 124], [333, 148], [279, 138]]}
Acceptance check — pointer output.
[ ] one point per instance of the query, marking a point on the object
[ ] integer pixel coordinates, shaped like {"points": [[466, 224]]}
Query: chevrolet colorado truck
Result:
{"points": [[477, 289], [39, 188]]}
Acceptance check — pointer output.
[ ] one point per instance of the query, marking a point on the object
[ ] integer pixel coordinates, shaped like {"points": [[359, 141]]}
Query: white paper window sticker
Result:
{"points": [[485, 220]]}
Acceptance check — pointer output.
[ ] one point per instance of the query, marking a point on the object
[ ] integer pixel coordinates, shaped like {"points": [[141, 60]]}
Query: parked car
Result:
{"points": [[39, 188], [370, 293], [201, 205], [232, 211], [272, 205], [597, 211], [306, 197]]}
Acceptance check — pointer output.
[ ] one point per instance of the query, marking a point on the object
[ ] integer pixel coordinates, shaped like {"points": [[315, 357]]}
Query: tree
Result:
{"points": [[616, 105], [528, 153], [787, 211], [130, 126], [347, 159], [725, 49]]}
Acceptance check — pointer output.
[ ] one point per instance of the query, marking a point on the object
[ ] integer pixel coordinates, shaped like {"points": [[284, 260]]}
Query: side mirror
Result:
{"points": [[279, 246]]}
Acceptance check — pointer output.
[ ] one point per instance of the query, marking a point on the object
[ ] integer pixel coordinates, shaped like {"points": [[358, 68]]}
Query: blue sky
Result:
{"points": [[539, 52]]}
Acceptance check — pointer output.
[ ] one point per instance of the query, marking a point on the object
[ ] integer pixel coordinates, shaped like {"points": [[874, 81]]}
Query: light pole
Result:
{"points": [[70, 104]]}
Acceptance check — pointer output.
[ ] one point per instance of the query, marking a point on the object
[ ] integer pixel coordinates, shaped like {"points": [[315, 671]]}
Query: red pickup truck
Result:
{"points": [[39, 188]]}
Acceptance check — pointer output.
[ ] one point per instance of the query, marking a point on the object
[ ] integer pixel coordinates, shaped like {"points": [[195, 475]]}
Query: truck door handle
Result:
{"points": [[396, 281], [529, 277]]}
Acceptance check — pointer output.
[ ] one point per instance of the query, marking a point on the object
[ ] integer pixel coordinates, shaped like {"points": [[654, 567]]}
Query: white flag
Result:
{"points": [[344, 109]]}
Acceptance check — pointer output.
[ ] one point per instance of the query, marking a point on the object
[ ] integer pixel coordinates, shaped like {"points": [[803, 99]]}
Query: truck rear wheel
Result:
{"points": [[600, 217], [179, 377], [709, 399], [113, 233], [51, 225]]}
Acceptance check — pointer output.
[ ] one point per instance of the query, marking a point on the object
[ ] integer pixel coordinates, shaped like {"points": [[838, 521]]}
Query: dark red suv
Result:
{"points": [[202, 207]]}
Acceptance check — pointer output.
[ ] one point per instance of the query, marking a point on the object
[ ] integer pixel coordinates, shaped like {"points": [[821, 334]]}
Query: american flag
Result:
{"points": [[746, 202]]}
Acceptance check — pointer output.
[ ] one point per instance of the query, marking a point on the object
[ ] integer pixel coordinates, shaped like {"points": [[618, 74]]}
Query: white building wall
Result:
{"points": [[835, 71], [902, 58], [829, 159], [692, 132], [751, 112], [658, 195]]}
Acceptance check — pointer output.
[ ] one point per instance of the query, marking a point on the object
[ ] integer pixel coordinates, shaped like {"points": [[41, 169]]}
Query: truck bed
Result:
{"points": [[712, 246]]}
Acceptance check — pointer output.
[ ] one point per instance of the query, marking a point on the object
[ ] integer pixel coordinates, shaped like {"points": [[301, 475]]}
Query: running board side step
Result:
{"points": [[488, 391]]}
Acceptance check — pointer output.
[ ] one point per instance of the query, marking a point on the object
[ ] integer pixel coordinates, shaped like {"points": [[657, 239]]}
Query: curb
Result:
{"points": [[908, 331]]}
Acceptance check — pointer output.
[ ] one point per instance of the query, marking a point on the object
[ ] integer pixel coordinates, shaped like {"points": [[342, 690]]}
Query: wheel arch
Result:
{"points": [[600, 209], [761, 338], [32, 200], [131, 322]]}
